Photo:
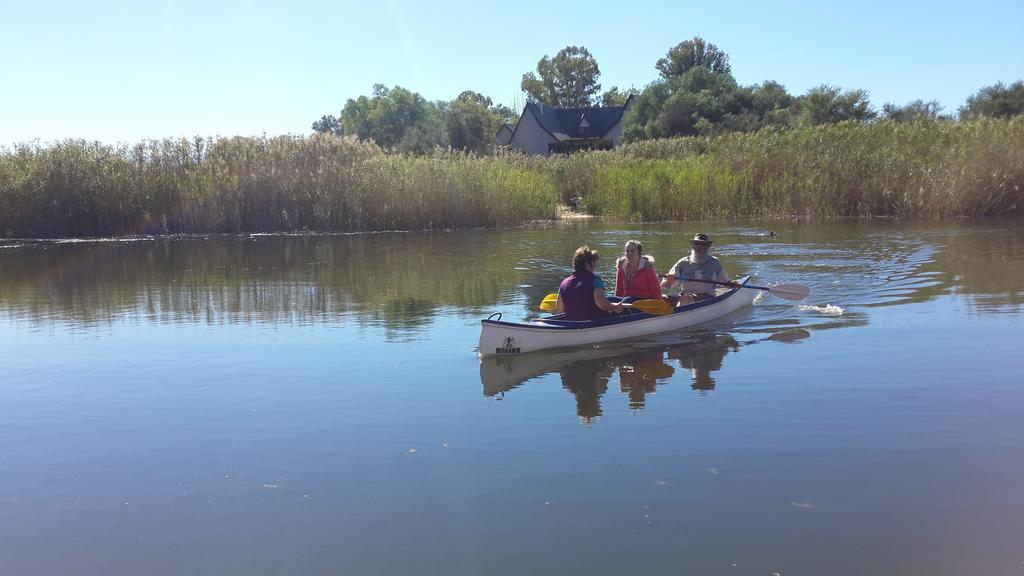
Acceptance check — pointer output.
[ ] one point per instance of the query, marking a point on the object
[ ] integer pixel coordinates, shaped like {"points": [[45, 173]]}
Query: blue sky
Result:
{"points": [[124, 71]]}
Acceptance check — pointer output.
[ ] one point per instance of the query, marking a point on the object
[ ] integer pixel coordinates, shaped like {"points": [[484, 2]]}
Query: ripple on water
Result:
{"points": [[827, 309]]}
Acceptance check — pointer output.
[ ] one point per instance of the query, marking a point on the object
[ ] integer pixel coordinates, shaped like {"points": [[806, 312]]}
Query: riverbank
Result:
{"points": [[325, 183]]}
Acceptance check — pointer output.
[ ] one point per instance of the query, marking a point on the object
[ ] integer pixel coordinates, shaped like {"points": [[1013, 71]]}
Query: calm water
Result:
{"points": [[314, 405]]}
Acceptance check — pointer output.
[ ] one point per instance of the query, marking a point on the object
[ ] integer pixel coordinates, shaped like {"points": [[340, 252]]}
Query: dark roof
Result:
{"points": [[564, 123]]}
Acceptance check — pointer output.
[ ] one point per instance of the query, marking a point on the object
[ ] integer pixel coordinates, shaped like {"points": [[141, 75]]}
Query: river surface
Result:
{"points": [[250, 405]]}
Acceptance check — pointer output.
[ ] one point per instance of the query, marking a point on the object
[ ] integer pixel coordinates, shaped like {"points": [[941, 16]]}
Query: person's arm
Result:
{"points": [[669, 279], [620, 282], [602, 302], [559, 305]]}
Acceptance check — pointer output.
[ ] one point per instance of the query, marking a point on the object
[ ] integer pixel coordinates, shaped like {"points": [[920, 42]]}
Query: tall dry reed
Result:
{"points": [[325, 183], [317, 183]]}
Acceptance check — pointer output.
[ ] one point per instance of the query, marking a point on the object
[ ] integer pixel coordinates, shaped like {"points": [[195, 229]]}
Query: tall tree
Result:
{"points": [[704, 102], [692, 54], [395, 118], [471, 123], [996, 100], [569, 80]]}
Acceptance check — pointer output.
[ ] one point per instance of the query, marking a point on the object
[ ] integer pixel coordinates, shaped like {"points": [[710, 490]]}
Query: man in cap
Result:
{"points": [[698, 265]]}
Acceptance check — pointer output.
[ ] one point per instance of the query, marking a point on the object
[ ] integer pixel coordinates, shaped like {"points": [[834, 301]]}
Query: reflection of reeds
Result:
{"points": [[326, 183], [385, 279]]}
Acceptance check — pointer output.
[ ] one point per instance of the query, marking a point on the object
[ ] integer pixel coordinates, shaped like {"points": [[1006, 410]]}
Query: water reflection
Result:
{"points": [[704, 357], [587, 381], [398, 281], [641, 373], [639, 368], [403, 281]]}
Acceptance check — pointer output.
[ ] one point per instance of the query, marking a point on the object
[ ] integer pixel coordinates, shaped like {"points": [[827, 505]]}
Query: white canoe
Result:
{"points": [[499, 338]]}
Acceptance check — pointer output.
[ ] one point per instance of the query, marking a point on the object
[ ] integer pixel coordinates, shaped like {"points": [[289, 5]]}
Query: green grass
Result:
{"points": [[325, 183]]}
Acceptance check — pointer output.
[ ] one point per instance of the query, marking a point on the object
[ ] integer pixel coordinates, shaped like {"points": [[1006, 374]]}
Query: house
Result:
{"points": [[504, 134], [544, 130]]}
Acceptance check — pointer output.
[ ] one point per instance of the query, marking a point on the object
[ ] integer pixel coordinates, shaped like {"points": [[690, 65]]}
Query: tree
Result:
{"points": [[828, 105], [691, 54], [997, 100], [614, 97], [916, 110], [642, 121], [507, 114], [426, 134], [473, 96], [697, 102], [769, 97], [569, 80], [328, 125], [395, 118], [471, 123]]}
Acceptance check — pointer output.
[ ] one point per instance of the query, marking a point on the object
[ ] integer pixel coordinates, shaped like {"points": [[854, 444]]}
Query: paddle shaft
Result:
{"points": [[729, 284], [786, 291]]}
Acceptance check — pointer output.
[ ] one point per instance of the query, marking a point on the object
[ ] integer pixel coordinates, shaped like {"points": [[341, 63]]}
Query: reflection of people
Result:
{"points": [[587, 381], [703, 357], [640, 373], [635, 278], [698, 265], [581, 295]]}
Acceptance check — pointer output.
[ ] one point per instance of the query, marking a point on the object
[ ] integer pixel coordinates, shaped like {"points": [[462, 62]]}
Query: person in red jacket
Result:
{"points": [[635, 278]]}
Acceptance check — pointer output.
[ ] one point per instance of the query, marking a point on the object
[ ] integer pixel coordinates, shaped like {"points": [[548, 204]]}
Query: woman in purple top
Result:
{"points": [[581, 295]]}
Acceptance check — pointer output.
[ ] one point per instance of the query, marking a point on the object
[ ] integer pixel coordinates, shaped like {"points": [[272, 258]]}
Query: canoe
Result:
{"points": [[498, 338]]}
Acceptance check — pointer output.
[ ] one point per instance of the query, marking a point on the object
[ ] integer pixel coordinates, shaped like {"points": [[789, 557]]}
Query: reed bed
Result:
{"points": [[921, 169], [226, 185], [326, 183]]}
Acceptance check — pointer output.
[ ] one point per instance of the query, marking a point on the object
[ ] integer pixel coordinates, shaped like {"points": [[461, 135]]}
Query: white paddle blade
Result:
{"points": [[791, 291]]}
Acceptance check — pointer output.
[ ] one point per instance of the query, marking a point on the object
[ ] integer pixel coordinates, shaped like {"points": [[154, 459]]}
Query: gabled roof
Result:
{"points": [[565, 123]]}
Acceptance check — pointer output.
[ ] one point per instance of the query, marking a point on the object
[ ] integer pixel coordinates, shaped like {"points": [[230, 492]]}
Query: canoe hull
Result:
{"points": [[499, 338]]}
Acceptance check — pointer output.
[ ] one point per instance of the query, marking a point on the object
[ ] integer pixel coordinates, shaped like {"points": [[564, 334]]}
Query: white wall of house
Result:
{"points": [[529, 136], [615, 134]]}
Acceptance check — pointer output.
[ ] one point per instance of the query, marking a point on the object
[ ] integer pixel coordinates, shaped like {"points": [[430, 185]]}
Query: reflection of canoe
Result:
{"points": [[502, 373], [499, 338]]}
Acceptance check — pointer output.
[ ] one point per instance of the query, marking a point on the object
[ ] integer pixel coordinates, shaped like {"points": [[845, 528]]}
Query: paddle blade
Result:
{"points": [[652, 306], [549, 303], [790, 291]]}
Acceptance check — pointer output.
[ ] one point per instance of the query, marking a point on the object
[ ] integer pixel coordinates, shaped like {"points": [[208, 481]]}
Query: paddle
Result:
{"points": [[549, 302], [787, 291], [654, 307]]}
